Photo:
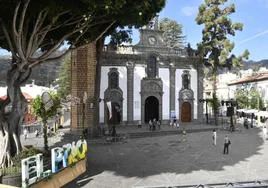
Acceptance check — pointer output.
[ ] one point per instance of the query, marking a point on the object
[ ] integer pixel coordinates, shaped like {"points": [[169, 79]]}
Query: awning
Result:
{"points": [[262, 113]]}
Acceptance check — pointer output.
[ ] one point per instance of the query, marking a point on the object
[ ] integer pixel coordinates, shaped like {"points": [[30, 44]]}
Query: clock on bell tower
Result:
{"points": [[150, 35]]}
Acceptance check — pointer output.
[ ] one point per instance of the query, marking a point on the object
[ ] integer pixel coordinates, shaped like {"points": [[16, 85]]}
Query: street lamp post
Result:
{"points": [[76, 101], [230, 110], [83, 112], [205, 101]]}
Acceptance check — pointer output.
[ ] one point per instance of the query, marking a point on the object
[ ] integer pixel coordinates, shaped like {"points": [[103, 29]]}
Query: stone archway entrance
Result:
{"points": [[186, 112], [151, 109]]}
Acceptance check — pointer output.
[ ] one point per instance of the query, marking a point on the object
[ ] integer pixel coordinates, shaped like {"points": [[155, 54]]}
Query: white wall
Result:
{"points": [[122, 84], [164, 75], [103, 87], [194, 83], [139, 73]]}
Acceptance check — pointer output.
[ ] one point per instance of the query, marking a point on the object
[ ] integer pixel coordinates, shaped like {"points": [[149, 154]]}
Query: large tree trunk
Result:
{"points": [[45, 135], [214, 97], [99, 47], [12, 113]]}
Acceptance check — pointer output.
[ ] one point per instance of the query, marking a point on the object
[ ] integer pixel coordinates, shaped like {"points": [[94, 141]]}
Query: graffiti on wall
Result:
{"points": [[61, 157]]}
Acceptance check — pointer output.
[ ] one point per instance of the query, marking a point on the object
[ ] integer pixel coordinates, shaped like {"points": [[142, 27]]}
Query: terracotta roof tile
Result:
{"points": [[247, 79]]}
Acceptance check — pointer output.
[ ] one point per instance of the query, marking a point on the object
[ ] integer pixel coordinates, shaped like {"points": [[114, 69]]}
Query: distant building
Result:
{"points": [[30, 92], [258, 81]]}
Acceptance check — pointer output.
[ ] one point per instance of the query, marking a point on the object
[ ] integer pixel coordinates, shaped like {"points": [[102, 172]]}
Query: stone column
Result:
{"points": [[200, 90], [172, 88], [130, 91]]}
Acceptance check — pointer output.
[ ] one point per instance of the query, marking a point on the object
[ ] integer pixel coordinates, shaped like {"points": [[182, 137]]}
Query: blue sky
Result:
{"points": [[252, 13]]}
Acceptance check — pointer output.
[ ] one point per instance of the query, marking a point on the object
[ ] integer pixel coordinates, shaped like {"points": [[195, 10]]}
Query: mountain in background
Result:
{"points": [[44, 74], [255, 65]]}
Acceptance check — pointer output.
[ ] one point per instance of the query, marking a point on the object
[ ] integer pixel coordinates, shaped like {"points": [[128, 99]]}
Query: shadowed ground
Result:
{"points": [[166, 160]]}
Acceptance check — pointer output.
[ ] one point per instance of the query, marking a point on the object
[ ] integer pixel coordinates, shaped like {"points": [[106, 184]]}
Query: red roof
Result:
{"points": [[26, 95], [254, 78]]}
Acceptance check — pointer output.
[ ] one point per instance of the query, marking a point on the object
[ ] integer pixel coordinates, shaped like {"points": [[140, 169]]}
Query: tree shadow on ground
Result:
{"points": [[169, 154]]}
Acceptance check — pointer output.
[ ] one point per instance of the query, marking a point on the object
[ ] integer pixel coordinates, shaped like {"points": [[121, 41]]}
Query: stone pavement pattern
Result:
{"points": [[165, 160]]}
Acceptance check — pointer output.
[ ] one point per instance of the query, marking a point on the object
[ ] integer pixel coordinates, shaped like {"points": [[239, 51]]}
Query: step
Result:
{"points": [[163, 133]]}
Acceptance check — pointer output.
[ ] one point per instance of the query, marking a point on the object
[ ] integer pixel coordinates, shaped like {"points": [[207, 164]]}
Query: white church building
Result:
{"points": [[150, 80]]}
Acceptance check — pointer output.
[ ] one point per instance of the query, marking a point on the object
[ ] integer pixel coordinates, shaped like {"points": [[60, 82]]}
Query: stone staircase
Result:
{"points": [[134, 135]]}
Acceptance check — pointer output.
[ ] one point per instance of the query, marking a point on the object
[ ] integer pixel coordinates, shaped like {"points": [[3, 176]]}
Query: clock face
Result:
{"points": [[152, 40]]}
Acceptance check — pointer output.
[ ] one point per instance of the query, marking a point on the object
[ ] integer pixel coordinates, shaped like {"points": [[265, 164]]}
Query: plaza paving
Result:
{"points": [[166, 160]]}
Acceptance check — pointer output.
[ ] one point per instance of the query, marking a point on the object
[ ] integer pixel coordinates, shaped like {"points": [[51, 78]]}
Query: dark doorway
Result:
{"points": [[186, 112], [151, 109]]}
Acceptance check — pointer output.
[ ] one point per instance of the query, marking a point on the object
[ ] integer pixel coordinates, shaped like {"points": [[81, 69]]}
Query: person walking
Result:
{"points": [[227, 142], [36, 133], [150, 125], [154, 124], [184, 135], [25, 133], [264, 132], [159, 124], [214, 137]]}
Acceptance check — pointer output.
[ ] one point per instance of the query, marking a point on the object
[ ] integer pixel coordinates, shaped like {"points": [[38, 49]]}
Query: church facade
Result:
{"points": [[150, 81]]}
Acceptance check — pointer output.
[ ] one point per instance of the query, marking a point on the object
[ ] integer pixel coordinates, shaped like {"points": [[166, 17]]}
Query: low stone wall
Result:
{"points": [[62, 177]]}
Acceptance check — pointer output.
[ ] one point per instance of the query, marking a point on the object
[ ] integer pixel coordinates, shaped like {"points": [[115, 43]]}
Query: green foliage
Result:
{"points": [[65, 78], [120, 36], [25, 154], [241, 98], [10, 170], [172, 32], [39, 109], [249, 99], [256, 101], [215, 103], [16, 168], [215, 45], [62, 18]]}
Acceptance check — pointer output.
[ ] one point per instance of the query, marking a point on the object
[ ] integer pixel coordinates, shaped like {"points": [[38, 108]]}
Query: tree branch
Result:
{"points": [[102, 33], [22, 16], [51, 58], [39, 21], [19, 36], [70, 49], [25, 76], [15, 33], [8, 40], [60, 41]]}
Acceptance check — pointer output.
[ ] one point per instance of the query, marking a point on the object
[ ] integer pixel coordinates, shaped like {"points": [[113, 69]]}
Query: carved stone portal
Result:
{"points": [[151, 87], [186, 105]]}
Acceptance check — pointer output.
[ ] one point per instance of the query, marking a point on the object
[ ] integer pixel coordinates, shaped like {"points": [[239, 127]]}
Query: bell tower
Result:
{"points": [[150, 35]]}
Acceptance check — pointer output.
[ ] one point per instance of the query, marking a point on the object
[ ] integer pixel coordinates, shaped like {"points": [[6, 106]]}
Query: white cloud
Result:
{"points": [[189, 10], [254, 36]]}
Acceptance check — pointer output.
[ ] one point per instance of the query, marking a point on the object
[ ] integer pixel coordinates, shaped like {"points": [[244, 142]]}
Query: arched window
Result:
{"points": [[113, 80], [186, 80], [151, 67]]}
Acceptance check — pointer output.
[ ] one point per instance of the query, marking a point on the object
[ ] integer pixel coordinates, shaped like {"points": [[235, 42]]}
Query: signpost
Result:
{"points": [[47, 100]]}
